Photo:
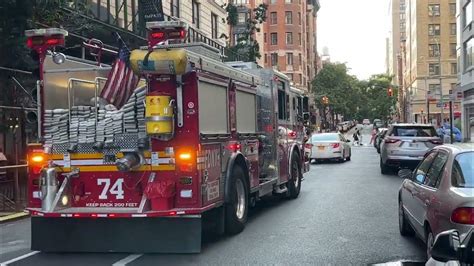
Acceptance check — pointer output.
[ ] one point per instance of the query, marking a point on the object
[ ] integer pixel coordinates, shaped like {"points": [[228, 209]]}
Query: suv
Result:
{"points": [[366, 122], [405, 145]]}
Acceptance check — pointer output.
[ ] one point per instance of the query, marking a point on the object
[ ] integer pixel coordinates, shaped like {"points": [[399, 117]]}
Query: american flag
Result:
{"points": [[121, 81]]}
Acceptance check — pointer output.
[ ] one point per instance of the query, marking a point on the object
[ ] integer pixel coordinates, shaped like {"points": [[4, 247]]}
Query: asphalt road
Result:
{"points": [[346, 214]]}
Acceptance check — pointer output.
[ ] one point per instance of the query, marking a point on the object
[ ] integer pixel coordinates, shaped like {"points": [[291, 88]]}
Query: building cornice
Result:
{"points": [[216, 5]]}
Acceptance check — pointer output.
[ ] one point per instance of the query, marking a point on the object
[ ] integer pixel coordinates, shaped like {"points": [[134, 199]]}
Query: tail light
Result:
{"points": [[389, 140], [335, 145], [36, 161], [464, 215], [436, 141], [234, 147], [308, 145], [292, 134]]}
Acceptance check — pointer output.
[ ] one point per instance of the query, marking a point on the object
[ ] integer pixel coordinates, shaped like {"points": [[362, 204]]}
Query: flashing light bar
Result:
{"points": [[152, 25], [46, 32]]}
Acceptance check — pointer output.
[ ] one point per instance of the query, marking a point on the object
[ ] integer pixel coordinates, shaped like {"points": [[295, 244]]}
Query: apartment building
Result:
{"points": [[205, 17], [429, 59], [465, 52], [289, 40]]}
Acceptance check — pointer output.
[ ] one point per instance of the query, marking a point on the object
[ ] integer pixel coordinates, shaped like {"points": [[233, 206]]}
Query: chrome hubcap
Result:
{"points": [[296, 178], [429, 244], [241, 204]]}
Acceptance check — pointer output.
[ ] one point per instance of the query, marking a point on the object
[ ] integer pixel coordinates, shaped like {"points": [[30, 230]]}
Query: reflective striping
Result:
{"points": [[113, 168], [139, 215]]}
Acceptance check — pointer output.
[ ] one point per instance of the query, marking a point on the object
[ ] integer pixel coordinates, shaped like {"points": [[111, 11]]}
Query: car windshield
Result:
{"points": [[324, 137], [414, 131], [463, 172]]}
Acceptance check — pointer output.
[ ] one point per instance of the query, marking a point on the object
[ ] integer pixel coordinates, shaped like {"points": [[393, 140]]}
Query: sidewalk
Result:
{"points": [[12, 216]]}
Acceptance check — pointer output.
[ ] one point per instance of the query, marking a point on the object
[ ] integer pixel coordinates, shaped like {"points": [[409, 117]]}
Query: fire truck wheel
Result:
{"points": [[236, 210], [294, 184]]}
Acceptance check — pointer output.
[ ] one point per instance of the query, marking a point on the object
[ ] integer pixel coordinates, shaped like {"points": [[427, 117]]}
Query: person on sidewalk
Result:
{"points": [[356, 137]]}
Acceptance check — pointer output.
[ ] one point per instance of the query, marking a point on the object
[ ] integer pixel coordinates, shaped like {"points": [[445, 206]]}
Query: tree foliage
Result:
{"points": [[353, 98]]}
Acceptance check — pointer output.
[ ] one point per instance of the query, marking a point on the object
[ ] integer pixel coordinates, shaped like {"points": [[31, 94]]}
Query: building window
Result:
{"points": [[468, 53], [467, 14], [273, 38], [433, 10], [273, 18], [195, 13], [434, 69], [274, 59], [454, 68], [452, 30], [299, 18], [434, 29], [289, 58], [452, 49], [452, 9], [300, 78], [273, 2], [265, 58], [288, 17], [300, 59], [174, 7], [241, 2], [289, 37], [242, 17], [288, 1], [265, 37], [435, 90], [290, 76], [433, 50], [214, 25], [300, 41]]}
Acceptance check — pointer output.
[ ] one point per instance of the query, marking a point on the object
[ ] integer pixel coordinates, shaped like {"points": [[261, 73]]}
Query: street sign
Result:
{"points": [[151, 10], [459, 95]]}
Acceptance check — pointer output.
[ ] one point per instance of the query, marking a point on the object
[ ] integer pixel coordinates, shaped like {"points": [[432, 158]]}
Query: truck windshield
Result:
{"points": [[463, 172]]}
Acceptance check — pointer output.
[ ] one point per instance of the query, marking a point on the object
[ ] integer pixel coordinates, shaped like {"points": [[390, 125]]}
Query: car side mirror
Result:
{"points": [[405, 173], [420, 178], [445, 246]]}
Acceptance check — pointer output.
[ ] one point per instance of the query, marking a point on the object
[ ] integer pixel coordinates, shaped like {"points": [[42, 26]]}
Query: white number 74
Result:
{"points": [[116, 188]]}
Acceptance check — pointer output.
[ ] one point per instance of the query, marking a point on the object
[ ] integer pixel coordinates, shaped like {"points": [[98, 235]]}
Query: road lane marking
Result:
{"points": [[127, 260], [19, 258]]}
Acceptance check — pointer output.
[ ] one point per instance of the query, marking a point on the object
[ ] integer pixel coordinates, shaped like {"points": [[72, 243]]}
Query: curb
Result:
{"points": [[13, 217]]}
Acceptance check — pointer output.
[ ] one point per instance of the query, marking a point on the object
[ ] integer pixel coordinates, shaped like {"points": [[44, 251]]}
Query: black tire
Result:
{"points": [[403, 225], [349, 157], [384, 169], [234, 222], [294, 183]]}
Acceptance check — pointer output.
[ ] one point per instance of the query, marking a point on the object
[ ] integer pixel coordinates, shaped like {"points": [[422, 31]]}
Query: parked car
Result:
{"points": [[378, 123], [366, 122], [327, 146], [379, 138], [439, 194], [405, 145]]}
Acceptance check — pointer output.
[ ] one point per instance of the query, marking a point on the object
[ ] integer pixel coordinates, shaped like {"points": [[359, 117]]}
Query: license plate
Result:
{"points": [[413, 145], [321, 148]]}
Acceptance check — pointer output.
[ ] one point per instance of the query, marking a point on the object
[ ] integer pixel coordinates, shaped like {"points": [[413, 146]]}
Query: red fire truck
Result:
{"points": [[198, 142]]}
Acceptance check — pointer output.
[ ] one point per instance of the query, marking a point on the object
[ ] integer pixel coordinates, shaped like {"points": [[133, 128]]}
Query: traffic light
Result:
{"points": [[390, 91], [325, 100]]}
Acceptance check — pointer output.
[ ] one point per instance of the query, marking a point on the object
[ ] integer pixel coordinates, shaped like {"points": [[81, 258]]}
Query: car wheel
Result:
{"points": [[294, 184], [349, 157], [403, 226], [384, 169], [237, 209], [429, 242]]}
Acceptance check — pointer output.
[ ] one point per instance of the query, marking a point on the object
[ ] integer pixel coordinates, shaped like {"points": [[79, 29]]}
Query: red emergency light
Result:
{"points": [[45, 38], [160, 31]]}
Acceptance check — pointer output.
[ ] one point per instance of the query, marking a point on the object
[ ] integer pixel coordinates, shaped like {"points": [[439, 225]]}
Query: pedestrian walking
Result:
{"points": [[357, 137], [375, 131]]}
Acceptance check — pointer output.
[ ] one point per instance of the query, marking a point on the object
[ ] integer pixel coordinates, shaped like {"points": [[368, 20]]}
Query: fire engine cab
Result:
{"points": [[198, 142]]}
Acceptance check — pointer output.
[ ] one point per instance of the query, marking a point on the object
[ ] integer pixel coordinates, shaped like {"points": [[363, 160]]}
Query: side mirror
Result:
{"points": [[445, 246], [405, 173]]}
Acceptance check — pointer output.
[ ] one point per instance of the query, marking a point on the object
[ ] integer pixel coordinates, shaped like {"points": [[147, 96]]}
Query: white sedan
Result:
{"points": [[328, 146]]}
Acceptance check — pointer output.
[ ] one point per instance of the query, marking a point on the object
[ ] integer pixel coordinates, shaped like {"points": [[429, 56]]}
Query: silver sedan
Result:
{"points": [[439, 194]]}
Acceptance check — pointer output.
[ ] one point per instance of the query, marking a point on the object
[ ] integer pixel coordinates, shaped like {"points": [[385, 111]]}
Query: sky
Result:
{"points": [[354, 32]]}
